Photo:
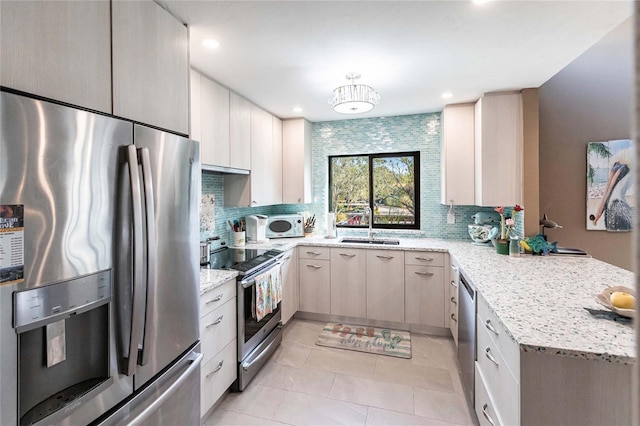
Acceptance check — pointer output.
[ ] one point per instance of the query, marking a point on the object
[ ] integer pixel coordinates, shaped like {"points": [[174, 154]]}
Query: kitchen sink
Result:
{"points": [[384, 241]]}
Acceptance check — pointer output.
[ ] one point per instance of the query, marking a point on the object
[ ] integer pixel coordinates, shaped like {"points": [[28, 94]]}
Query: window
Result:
{"points": [[388, 183]]}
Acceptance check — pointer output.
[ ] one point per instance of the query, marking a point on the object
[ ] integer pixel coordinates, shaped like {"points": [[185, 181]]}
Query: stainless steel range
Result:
{"points": [[257, 339]]}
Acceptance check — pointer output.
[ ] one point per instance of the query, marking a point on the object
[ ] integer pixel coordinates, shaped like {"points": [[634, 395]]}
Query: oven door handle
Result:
{"points": [[251, 281], [246, 366]]}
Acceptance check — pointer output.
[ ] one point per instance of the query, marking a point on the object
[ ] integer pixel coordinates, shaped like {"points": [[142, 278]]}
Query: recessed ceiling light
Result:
{"points": [[480, 1], [211, 43], [297, 109], [447, 95]]}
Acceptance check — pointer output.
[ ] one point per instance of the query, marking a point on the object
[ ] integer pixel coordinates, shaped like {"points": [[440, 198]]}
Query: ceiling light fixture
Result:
{"points": [[211, 43], [297, 109], [447, 95], [354, 98]]}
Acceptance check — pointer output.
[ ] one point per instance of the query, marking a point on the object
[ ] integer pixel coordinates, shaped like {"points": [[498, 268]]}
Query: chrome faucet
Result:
{"points": [[369, 213]]}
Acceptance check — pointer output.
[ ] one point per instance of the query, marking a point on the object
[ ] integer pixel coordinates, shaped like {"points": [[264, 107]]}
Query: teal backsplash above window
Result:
{"points": [[418, 132]]}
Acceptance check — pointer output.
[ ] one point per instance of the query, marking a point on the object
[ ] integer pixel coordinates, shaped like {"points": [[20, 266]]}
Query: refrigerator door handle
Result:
{"points": [[152, 256], [139, 294], [194, 363]]}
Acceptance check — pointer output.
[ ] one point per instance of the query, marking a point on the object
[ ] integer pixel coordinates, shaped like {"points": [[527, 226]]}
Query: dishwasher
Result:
{"points": [[467, 337]]}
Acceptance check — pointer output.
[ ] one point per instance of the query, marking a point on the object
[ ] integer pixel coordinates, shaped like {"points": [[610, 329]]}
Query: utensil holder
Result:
{"points": [[239, 238]]}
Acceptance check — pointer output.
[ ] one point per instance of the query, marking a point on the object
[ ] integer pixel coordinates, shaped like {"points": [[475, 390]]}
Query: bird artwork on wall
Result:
{"points": [[610, 185]]}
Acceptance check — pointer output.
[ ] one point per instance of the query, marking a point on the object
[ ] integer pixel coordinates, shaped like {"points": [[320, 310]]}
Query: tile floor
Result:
{"points": [[305, 384]]}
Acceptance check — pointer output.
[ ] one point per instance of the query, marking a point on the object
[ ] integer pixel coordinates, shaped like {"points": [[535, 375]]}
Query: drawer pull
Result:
{"points": [[453, 284], [314, 266], [315, 253], [379, 256], [216, 322], [216, 370], [347, 255], [487, 353], [453, 300], [216, 299], [453, 317], [426, 259], [287, 258], [426, 274], [486, 414], [455, 268], [490, 327]]}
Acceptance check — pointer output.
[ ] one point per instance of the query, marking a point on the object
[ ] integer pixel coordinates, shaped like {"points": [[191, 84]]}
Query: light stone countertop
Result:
{"points": [[539, 300], [212, 278]]}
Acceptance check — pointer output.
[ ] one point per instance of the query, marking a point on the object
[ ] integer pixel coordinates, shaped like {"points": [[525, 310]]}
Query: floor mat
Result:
{"points": [[375, 340]]}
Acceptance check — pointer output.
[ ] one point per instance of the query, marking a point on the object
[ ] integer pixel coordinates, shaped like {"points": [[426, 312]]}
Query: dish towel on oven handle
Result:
{"points": [[268, 292]]}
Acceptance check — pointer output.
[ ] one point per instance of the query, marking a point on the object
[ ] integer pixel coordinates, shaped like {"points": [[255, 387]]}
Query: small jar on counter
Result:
{"points": [[514, 246]]}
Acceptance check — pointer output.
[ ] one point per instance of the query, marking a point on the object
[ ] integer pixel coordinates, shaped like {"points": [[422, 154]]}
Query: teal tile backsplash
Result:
{"points": [[418, 132]]}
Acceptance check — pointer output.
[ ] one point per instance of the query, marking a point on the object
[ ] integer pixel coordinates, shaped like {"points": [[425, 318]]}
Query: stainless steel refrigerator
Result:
{"points": [[99, 270]]}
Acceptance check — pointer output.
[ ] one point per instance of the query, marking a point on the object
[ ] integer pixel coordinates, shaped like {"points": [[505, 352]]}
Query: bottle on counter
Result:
{"points": [[514, 246]]}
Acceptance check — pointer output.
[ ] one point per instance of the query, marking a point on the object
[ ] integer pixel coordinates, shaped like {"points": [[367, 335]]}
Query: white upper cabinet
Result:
{"points": [[239, 132], [458, 155], [276, 159], [264, 185], [214, 145], [59, 50], [498, 150], [150, 65], [195, 107], [296, 161]]}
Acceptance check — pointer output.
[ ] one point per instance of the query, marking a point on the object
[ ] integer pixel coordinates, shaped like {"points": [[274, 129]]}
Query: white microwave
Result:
{"points": [[285, 226]]}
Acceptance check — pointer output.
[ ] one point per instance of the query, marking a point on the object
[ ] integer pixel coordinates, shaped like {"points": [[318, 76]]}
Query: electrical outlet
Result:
{"points": [[451, 218]]}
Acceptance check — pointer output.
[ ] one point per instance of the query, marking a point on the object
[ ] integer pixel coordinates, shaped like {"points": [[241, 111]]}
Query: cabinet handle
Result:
{"points": [[490, 327], [453, 284], [426, 259], [254, 202], [287, 258], [453, 300], [216, 322], [216, 370], [347, 255], [216, 299], [314, 266], [486, 415], [315, 253], [453, 317], [384, 257], [455, 268], [426, 274], [487, 353]]}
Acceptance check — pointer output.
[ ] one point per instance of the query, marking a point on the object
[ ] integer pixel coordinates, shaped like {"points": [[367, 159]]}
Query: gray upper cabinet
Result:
{"points": [[59, 50], [150, 65]]}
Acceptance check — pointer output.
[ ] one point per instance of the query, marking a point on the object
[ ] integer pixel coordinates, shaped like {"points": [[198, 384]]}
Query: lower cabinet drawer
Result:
{"points": [[485, 410], [452, 317], [498, 379], [217, 329], [510, 350], [217, 375], [217, 297]]}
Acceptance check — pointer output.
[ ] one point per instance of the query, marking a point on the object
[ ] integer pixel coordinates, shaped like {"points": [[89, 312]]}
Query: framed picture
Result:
{"points": [[610, 185]]}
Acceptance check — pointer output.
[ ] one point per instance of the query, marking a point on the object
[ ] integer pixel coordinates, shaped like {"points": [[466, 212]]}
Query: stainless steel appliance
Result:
{"points": [[257, 340], [285, 226], [467, 336], [100, 325]]}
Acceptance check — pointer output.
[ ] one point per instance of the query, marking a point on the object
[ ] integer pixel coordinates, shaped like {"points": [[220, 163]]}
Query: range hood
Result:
{"points": [[222, 170]]}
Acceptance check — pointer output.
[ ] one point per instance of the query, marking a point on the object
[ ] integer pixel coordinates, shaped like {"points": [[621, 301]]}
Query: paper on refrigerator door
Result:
{"points": [[11, 243]]}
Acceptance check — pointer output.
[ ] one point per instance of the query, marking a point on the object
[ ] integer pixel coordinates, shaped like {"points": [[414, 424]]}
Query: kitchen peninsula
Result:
{"points": [[568, 367]]}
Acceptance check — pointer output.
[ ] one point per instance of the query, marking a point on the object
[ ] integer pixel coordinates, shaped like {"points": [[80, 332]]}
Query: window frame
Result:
{"points": [[370, 158]]}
